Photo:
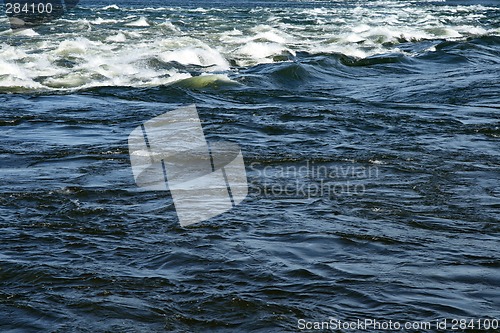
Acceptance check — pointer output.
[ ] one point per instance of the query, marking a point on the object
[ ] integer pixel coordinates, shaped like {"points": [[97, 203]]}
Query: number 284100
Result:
{"points": [[27, 8]]}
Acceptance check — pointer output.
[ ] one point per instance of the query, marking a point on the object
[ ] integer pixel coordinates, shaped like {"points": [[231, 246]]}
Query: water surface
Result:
{"points": [[403, 93]]}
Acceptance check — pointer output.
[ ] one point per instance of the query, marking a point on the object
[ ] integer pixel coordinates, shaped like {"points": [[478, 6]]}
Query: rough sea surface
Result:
{"points": [[370, 132]]}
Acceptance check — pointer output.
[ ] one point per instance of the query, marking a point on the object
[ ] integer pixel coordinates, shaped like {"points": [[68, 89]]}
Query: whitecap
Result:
{"points": [[110, 7], [100, 20], [202, 55], [141, 22], [169, 25], [118, 38]]}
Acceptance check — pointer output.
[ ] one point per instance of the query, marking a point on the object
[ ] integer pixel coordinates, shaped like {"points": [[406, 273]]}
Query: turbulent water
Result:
{"points": [[371, 137]]}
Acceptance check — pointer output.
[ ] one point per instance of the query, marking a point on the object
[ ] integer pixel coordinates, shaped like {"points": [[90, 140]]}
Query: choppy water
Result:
{"points": [[395, 103]]}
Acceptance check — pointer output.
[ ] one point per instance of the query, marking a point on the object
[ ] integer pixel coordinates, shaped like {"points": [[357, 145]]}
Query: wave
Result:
{"points": [[68, 72], [144, 47]]}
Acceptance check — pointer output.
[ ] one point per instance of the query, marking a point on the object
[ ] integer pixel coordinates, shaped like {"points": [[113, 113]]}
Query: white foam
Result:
{"points": [[26, 32], [201, 55], [360, 28], [100, 20], [10, 69], [234, 32], [141, 22], [118, 38], [76, 46], [472, 30], [142, 53], [261, 52], [12, 53], [13, 75], [110, 7], [199, 10], [270, 36], [169, 25]]}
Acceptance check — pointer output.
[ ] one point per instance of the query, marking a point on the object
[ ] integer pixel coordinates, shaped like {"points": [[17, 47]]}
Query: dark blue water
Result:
{"points": [[371, 137]]}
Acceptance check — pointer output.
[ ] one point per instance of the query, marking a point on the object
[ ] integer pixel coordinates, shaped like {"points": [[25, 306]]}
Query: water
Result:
{"points": [[370, 131]]}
